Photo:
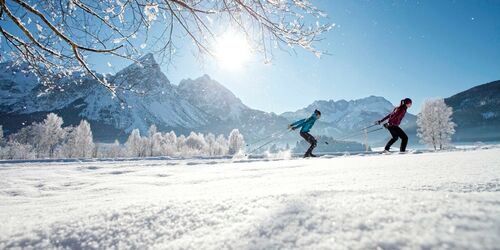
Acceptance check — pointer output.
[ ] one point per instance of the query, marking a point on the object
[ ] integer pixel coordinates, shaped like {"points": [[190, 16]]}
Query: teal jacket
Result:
{"points": [[306, 124]]}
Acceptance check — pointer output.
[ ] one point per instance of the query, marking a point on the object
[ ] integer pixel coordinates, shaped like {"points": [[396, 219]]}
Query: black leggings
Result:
{"points": [[396, 133], [309, 138]]}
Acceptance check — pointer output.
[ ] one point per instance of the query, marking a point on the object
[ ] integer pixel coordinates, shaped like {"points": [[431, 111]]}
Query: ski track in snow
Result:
{"points": [[448, 200]]}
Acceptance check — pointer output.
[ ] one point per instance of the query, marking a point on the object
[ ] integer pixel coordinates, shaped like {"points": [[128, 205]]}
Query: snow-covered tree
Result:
{"points": [[169, 144], [435, 125], [216, 145], [156, 144], [182, 149], [273, 148], [18, 151], [48, 135], [135, 144], [196, 143], [1, 135], [221, 146], [115, 150], [211, 141], [236, 142], [64, 34], [79, 141], [46, 139], [153, 143]]}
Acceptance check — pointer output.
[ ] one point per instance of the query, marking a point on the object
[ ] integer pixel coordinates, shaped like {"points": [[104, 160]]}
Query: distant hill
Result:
{"points": [[476, 112]]}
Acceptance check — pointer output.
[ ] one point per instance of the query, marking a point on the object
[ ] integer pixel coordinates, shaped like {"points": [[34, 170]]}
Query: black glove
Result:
{"points": [[386, 125], [294, 128], [378, 122]]}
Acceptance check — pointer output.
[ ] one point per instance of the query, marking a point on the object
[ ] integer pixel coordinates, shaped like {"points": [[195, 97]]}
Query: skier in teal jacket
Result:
{"points": [[306, 125]]}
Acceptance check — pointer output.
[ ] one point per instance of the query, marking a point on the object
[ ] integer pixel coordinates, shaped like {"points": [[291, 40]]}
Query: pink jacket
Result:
{"points": [[396, 116]]}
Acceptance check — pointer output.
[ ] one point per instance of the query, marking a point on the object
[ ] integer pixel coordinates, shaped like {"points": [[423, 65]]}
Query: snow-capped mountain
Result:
{"points": [[476, 112], [151, 99], [341, 117], [212, 97], [227, 111], [144, 97]]}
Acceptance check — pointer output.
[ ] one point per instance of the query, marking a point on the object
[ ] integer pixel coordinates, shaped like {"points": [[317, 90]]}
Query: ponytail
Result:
{"points": [[403, 104]]}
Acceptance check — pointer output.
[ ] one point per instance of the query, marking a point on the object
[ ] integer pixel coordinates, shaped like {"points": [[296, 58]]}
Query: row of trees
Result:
{"points": [[48, 139], [169, 144]]}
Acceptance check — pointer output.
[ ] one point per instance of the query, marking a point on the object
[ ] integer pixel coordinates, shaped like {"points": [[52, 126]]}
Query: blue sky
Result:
{"points": [[395, 49]]}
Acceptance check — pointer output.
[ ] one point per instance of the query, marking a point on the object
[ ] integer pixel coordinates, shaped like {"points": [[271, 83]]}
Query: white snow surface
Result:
{"points": [[447, 200]]}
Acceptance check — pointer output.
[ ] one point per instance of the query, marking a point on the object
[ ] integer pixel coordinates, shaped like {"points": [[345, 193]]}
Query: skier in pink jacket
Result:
{"points": [[395, 118]]}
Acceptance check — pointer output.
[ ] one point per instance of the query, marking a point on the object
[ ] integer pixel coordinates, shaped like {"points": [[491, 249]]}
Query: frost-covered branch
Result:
{"points": [[58, 36]]}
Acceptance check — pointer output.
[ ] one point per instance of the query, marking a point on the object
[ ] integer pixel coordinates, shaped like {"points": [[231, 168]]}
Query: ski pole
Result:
{"points": [[267, 143], [267, 137], [373, 125], [359, 133]]}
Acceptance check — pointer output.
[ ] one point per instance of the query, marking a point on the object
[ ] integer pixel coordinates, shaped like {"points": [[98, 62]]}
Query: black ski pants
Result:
{"points": [[396, 133], [309, 138]]}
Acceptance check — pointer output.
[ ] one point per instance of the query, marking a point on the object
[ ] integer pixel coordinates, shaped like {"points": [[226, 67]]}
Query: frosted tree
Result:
{"points": [[169, 143], [435, 125], [153, 143], [2, 139], [181, 144], [236, 142], [135, 144], [156, 144], [115, 150], [19, 151], [80, 141], [196, 143], [26, 135], [221, 146], [216, 145], [56, 37], [85, 139], [211, 143], [273, 148], [1, 135], [48, 135]]}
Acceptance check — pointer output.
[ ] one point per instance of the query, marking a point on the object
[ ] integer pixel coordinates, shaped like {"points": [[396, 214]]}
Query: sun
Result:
{"points": [[232, 50]]}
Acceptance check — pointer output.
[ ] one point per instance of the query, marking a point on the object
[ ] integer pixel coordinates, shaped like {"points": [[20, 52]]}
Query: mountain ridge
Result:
{"points": [[476, 111], [199, 104]]}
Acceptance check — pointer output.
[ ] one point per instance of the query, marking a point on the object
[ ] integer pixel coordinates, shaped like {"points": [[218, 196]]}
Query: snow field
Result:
{"points": [[446, 200]]}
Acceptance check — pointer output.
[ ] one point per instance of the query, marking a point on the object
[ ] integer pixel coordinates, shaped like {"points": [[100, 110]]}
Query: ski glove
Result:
{"points": [[378, 122]]}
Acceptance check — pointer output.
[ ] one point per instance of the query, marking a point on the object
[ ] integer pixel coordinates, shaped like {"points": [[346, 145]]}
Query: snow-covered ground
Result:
{"points": [[448, 200]]}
